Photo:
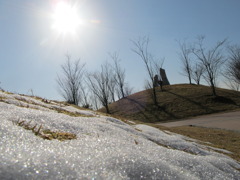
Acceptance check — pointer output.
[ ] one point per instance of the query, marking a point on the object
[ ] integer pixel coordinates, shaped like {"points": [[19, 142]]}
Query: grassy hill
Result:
{"points": [[175, 102]]}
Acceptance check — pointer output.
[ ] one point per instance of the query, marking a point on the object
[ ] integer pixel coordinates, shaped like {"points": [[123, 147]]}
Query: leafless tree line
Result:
{"points": [[104, 86], [210, 63], [93, 89]]}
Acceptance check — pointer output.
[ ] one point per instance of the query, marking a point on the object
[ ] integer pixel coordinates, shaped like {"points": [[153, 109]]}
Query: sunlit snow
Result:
{"points": [[105, 148]]}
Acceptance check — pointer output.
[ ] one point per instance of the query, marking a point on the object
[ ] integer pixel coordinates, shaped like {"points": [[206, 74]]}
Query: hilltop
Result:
{"points": [[175, 102]]}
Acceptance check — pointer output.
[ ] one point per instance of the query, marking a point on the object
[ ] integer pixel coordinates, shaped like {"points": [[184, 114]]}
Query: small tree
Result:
{"points": [[112, 86], [94, 101], [232, 72], [99, 83], [212, 60], [128, 90], [70, 81], [197, 72], [84, 96], [119, 76], [141, 49], [186, 61]]}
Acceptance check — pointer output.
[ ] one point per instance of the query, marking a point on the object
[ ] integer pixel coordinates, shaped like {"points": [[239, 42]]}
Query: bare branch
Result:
{"points": [[70, 81], [232, 71], [141, 49], [212, 60], [98, 82], [119, 75], [197, 72], [186, 60]]}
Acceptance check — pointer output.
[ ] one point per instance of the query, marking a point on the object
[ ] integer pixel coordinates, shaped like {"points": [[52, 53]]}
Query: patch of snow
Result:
{"points": [[31, 102], [220, 150], [113, 120], [105, 148], [131, 122]]}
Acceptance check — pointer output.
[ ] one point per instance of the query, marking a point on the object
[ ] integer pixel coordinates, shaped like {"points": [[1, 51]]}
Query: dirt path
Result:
{"points": [[229, 121]]}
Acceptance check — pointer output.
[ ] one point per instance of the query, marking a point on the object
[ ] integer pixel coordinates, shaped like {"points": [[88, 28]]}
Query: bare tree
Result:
{"points": [[99, 84], [212, 60], [197, 72], [232, 71], [112, 86], [186, 60], [95, 104], [70, 81], [141, 49], [128, 90], [84, 96], [119, 75], [232, 84]]}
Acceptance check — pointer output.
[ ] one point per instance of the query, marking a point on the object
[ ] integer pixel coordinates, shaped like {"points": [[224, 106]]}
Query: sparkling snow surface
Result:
{"points": [[105, 148]]}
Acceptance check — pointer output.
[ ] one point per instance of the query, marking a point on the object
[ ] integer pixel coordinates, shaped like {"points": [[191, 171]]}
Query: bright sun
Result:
{"points": [[66, 19]]}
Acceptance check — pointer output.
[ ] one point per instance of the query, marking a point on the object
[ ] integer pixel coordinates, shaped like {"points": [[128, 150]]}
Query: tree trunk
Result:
{"points": [[123, 95], [190, 81], [213, 89], [107, 109], [198, 82], [155, 96]]}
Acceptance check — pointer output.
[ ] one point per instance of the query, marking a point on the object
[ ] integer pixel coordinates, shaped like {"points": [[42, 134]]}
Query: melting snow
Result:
{"points": [[105, 148]]}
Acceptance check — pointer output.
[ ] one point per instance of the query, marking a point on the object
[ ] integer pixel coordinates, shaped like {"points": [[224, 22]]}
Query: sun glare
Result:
{"points": [[66, 18]]}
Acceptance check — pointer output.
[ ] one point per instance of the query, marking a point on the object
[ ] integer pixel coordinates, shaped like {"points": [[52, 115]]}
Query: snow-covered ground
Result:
{"points": [[105, 148]]}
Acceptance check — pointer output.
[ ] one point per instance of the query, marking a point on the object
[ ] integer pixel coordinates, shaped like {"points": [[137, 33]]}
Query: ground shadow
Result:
{"points": [[225, 100], [140, 107], [145, 110], [207, 109]]}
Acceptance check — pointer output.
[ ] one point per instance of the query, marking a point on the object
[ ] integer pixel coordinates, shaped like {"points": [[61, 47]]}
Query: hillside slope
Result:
{"points": [[175, 102], [102, 148]]}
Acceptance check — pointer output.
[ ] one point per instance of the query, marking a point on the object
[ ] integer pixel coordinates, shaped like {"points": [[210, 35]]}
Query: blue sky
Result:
{"points": [[31, 51]]}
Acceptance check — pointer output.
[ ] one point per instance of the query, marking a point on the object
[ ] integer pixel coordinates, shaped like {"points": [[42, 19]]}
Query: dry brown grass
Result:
{"points": [[175, 102], [47, 134], [223, 139], [73, 114], [2, 98]]}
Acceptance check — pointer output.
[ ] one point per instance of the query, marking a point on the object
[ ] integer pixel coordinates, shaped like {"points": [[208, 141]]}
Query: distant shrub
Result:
{"points": [[87, 106]]}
